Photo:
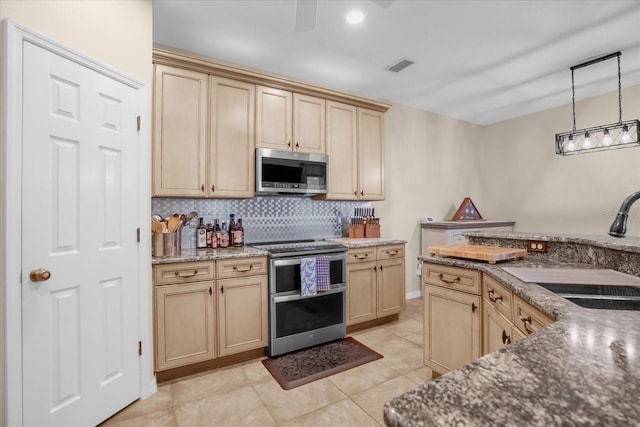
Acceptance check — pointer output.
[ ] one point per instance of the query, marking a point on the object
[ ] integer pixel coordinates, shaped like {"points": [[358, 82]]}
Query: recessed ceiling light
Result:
{"points": [[355, 17]]}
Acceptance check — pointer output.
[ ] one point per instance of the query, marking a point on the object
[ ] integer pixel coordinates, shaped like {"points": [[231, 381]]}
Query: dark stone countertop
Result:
{"points": [[584, 369]]}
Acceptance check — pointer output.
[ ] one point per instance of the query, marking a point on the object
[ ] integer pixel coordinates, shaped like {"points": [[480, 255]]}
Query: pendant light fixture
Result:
{"points": [[598, 138]]}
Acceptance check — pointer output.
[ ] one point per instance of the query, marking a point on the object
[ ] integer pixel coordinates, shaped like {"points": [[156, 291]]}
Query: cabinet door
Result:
{"points": [[184, 324], [242, 314], [370, 154], [342, 150], [179, 132], [273, 118], [232, 139], [308, 124], [391, 287], [497, 330], [451, 328], [361, 292]]}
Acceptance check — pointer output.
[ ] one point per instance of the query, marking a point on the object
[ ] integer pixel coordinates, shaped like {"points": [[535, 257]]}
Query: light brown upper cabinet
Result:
{"points": [[179, 132], [370, 154], [289, 121], [204, 140], [355, 145], [231, 139]]}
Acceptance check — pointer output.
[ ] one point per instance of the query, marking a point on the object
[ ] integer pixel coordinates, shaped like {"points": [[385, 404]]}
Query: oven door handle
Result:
{"points": [[336, 290]]}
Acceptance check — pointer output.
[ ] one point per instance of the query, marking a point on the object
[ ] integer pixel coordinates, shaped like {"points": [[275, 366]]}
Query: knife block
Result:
{"points": [[356, 231], [372, 230]]}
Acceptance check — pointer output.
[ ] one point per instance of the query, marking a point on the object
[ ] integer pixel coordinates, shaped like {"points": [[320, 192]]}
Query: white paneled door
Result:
{"points": [[79, 171]]}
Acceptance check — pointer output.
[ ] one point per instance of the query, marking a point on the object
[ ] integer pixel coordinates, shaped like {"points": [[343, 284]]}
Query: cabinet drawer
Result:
{"points": [[460, 279], [387, 252], [184, 272], [498, 296], [527, 318], [241, 267], [361, 255]]}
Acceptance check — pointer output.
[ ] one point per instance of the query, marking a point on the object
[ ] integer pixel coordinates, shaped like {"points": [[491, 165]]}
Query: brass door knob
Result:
{"points": [[39, 275]]}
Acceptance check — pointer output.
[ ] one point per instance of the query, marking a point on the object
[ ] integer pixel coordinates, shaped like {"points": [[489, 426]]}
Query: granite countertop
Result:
{"points": [[584, 369], [353, 243], [209, 254], [629, 244]]}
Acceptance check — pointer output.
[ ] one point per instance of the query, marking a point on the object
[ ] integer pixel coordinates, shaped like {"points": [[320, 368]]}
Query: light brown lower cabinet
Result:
{"points": [[507, 318], [375, 283], [361, 292], [185, 324], [197, 320], [460, 325], [242, 314], [497, 330], [452, 328]]}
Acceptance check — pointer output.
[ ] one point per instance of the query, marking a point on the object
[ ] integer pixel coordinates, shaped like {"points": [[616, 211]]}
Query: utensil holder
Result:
{"points": [[165, 244]]}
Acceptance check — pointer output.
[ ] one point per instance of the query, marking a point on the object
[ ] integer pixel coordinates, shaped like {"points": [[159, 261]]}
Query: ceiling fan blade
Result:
{"points": [[384, 3], [306, 12]]}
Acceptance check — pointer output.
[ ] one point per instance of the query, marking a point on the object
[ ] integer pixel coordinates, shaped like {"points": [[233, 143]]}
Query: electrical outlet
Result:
{"points": [[419, 269], [537, 246]]}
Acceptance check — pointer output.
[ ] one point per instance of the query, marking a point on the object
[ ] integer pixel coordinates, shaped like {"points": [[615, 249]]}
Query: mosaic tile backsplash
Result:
{"points": [[267, 219]]}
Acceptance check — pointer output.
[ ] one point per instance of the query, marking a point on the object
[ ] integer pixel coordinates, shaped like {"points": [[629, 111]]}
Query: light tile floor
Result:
{"points": [[246, 394]]}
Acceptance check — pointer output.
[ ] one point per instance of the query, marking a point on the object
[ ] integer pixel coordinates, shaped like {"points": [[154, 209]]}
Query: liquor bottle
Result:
{"points": [[238, 234], [214, 236], [210, 234], [217, 231], [201, 233], [232, 227], [224, 236]]}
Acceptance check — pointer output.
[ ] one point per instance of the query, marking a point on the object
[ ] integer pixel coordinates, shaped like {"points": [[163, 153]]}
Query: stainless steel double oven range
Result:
{"points": [[297, 321]]}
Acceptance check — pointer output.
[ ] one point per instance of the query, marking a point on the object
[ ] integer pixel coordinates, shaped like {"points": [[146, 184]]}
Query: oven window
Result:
{"points": [[336, 271], [293, 317], [287, 278]]}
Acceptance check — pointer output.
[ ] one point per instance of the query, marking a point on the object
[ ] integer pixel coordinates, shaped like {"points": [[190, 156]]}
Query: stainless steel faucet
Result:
{"points": [[619, 226]]}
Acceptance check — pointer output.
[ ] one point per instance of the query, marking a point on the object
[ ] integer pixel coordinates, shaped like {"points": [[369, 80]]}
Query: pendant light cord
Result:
{"points": [[619, 94], [586, 64]]}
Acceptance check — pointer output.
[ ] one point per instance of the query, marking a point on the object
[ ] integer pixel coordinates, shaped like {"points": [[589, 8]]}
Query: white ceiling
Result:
{"points": [[480, 61]]}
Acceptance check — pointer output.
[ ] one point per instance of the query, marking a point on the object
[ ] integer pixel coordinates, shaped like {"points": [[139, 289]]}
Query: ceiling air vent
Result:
{"points": [[399, 65]]}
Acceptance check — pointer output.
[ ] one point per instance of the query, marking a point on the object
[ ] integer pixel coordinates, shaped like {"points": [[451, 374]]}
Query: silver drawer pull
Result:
{"points": [[186, 276], [244, 270]]}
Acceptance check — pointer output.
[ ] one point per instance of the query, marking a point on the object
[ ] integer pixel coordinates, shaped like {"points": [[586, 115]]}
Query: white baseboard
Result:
{"points": [[414, 294], [149, 388]]}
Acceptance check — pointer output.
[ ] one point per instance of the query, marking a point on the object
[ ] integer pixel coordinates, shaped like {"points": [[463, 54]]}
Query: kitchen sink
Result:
{"points": [[610, 297]]}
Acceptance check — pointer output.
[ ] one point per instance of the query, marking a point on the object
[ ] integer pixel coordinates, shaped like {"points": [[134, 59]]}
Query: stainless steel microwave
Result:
{"points": [[288, 172]]}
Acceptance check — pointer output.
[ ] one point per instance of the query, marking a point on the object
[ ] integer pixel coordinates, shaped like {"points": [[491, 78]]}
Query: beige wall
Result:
{"points": [[518, 175], [509, 169], [116, 33], [427, 162]]}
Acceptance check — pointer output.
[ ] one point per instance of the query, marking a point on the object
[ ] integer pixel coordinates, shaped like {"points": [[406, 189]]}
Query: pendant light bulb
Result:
{"points": [[625, 134], [606, 139], [570, 145], [587, 140]]}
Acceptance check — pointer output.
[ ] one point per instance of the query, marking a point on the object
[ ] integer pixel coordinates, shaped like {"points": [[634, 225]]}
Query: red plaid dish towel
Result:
{"points": [[323, 277]]}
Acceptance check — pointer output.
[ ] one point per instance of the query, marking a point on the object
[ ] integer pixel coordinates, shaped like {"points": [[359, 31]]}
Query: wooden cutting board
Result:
{"points": [[492, 254]]}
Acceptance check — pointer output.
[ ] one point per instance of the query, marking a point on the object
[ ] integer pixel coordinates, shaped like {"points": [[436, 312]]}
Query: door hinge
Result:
{"points": [[138, 123], [139, 348], [138, 234]]}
